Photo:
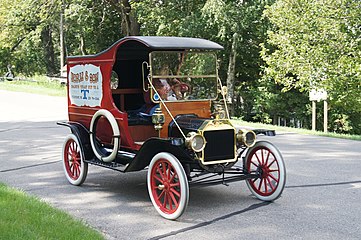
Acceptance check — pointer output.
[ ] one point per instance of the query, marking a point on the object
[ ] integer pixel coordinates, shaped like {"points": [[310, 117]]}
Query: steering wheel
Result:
{"points": [[181, 89]]}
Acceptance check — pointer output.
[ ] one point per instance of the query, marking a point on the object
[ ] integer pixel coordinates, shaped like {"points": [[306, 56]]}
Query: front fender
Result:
{"points": [[153, 146]]}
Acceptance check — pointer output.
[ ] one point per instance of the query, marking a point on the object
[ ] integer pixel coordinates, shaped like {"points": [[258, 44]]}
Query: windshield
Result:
{"points": [[184, 75]]}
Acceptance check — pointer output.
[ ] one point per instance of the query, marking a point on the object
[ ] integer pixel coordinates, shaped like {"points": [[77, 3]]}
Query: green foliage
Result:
{"points": [[316, 44], [340, 123], [30, 33], [284, 48], [91, 26], [25, 217]]}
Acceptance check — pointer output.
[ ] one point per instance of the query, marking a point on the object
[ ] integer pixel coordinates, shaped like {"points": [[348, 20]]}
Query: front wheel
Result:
{"points": [[75, 168], [168, 185], [266, 160]]}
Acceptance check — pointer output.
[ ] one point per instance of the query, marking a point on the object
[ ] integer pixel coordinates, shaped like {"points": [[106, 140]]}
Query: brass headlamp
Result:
{"points": [[195, 141], [246, 137]]}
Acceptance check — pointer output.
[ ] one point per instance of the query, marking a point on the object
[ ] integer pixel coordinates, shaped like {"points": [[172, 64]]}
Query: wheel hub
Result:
{"points": [[165, 185], [263, 171]]}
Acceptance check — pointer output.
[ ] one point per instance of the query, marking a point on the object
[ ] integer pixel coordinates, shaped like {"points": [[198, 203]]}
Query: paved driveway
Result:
{"points": [[321, 200]]}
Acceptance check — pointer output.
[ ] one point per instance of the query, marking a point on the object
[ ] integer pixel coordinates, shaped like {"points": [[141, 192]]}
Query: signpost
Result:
{"points": [[318, 95]]}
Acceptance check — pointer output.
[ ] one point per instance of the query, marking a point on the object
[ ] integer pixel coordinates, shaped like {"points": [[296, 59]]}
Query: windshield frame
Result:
{"points": [[212, 77]]}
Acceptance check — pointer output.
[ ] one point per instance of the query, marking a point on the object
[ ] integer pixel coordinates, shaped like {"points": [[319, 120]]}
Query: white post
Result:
{"points": [[325, 116], [313, 115]]}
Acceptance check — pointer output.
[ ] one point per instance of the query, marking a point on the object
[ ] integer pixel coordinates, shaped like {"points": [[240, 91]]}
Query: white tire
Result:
{"points": [[75, 168], [168, 186], [116, 135], [267, 160]]}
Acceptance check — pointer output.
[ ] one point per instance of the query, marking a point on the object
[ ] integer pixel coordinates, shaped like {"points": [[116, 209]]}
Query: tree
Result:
{"points": [[228, 22], [316, 44]]}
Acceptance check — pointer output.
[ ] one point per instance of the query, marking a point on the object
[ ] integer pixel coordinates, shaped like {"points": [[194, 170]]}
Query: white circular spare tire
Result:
{"points": [[116, 135]]}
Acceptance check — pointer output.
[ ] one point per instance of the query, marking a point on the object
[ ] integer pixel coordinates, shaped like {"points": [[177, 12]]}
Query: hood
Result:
{"points": [[187, 122]]}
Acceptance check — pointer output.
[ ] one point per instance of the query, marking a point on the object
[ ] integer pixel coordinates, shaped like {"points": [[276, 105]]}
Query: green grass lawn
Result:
{"points": [[296, 130], [26, 217], [38, 84]]}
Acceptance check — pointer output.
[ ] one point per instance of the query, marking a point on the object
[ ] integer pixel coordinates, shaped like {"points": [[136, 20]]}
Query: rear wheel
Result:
{"points": [[266, 160], [75, 168], [168, 186]]}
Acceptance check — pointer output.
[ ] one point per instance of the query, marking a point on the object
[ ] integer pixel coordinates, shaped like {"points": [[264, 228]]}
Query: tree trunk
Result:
{"points": [[48, 48], [231, 74], [130, 25], [82, 46], [62, 39]]}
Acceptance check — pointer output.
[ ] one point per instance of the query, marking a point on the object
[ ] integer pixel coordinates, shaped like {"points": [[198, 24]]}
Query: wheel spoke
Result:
{"points": [[175, 184], [158, 179], [175, 192], [165, 200], [160, 171], [270, 184], [254, 164], [170, 201], [262, 154], [260, 184], [161, 194], [71, 166], [274, 160], [77, 170], [71, 147], [164, 168], [169, 173], [174, 200], [173, 176], [72, 169], [76, 148], [259, 161], [271, 176], [267, 157], [265, 185]]}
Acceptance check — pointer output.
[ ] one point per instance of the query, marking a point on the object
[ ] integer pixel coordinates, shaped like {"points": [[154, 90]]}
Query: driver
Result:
{"points": [[164, 90]]}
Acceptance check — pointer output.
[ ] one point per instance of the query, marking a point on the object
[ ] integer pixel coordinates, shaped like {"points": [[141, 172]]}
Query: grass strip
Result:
{"points": [[296, 130], [26, 217], [39, 86]]}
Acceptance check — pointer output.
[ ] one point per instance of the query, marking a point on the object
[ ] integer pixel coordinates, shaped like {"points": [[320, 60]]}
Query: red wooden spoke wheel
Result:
{"points": [[168, 185], [265, 159], [75, 168]]}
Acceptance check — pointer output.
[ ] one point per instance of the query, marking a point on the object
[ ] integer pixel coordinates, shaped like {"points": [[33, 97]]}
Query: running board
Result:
{"points": [[119, 164], [112, 165]]}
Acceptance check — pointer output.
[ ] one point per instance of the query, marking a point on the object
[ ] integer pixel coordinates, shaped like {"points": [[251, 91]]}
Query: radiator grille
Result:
{"points": [[220, 145]]}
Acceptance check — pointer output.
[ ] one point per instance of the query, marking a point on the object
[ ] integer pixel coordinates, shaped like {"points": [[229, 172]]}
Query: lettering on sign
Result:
{"points": [[85, 85]]}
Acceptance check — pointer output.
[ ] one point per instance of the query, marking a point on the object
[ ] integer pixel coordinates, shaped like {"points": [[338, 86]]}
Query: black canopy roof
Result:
{"points": [[153, 43], [176, 43]]}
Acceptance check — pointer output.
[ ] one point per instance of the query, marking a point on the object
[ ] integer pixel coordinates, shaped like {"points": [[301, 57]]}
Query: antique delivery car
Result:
{"points": [[157, 103]]}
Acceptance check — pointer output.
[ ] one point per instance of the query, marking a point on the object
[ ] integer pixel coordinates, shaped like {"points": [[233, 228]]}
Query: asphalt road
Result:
{"points": [[322, 198]]}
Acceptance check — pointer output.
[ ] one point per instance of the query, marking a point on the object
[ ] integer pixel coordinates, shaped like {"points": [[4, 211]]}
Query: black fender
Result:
{"points": [[83, 135], [266, 132], [153, 146]]}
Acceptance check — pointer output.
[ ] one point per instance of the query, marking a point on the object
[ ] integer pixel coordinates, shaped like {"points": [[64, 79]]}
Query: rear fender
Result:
{"points": [[83, 136]]}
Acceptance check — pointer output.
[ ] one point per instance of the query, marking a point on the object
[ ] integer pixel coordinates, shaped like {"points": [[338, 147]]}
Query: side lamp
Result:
{"points": [[158, 119]]}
